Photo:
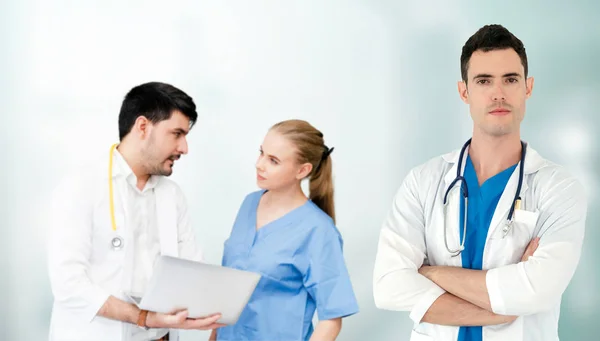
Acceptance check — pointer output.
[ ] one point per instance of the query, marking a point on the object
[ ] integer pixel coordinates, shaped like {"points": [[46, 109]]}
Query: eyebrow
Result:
{"points": [[182, 131], [487, 75], [269, 155]]}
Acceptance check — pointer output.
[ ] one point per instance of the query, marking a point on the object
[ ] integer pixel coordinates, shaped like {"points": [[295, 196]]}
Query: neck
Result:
{"points": [[131, 156], [491, 155], [285, 197]]}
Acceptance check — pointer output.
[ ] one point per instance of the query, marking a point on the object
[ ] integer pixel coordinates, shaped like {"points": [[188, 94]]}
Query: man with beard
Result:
{"points": [[109, 227]]}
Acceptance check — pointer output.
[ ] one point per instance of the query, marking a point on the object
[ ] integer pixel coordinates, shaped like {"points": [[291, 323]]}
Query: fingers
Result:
{"points": [[534, 245], [203, 323], [531, 248], [180, 320], [528, 251], [215, 326]]}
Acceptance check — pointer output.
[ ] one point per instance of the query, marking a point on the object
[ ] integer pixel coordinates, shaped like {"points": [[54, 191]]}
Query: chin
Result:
{"points": [[497, 129], [166, 171]]}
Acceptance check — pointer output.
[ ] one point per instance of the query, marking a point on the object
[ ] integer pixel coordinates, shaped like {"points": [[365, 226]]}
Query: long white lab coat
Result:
{"points": [[83, 269], [554, 207]]}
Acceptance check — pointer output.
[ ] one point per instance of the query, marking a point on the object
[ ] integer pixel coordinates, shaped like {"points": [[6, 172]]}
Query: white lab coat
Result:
{"points": [[554, 207], [83, 269]]}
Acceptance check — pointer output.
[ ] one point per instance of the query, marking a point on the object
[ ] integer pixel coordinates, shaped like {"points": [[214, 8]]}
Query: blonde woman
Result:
{"points": [[292, 241]]}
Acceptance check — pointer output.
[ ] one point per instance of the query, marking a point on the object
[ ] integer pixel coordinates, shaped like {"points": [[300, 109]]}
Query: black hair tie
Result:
{"points": [[326, 152]]}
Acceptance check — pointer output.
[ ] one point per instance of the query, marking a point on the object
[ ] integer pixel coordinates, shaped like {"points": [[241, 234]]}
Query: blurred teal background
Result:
{"points": [[377, 77]]}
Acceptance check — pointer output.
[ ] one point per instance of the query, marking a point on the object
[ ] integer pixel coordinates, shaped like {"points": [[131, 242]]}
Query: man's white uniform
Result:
{"points": [[554, 208], [85, 270]]}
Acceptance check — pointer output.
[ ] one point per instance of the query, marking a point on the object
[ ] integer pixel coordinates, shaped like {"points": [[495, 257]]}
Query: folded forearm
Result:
{"points": [[450, 310], [116, 309], [470, 285]]}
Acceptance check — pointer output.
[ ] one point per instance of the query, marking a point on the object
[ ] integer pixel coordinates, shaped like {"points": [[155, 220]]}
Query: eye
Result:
{"points": [[178, 134], [260, 151], [512, 80], [483, 81], [274, 161]]}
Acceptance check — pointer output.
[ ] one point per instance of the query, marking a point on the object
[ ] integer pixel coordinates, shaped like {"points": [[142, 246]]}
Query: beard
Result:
{"points": [[164, 167], [155, 163]]}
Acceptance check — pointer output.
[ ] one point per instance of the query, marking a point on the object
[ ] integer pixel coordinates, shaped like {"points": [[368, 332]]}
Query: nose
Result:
{"points": [[259, 164], [498, 95], [183, 146]]}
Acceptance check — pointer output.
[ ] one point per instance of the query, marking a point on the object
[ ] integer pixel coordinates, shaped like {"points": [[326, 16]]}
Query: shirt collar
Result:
{"points": [[533, 160], [121, 169]]}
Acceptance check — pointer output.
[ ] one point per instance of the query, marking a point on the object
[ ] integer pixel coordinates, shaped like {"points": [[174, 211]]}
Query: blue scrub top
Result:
{"points": [[482, 204], [301, 262]]}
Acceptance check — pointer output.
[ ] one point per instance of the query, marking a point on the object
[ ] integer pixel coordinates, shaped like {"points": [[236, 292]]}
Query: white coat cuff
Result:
{"points": [[97, 299], [492, 281], [419, 309]]}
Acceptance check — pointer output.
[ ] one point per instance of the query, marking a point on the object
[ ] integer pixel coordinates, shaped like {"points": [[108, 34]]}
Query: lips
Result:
{"points": [[500, 111], [260, 177]]}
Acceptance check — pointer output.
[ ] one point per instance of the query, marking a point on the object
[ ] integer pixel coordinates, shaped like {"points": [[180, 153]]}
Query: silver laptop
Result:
{"points": [[203, 289]]}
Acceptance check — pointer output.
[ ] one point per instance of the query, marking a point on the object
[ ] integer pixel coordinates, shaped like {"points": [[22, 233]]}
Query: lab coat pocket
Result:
{"points": [[523, 227], [526, 217], [509, 246]]}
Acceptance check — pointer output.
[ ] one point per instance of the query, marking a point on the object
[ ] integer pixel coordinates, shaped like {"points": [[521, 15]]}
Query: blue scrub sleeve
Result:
{"points": [[327, 280]]}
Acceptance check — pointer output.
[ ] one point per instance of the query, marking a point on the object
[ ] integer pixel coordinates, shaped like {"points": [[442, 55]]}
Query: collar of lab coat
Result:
{"points": [[121, 168], [533, 163]]}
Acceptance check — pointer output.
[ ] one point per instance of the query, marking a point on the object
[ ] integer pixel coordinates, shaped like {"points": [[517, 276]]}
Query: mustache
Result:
{"points": [[502, 105]]}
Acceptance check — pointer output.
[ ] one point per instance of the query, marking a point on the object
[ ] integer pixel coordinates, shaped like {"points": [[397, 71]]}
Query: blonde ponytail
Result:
{"points": [[311, 148], [321, 185]]}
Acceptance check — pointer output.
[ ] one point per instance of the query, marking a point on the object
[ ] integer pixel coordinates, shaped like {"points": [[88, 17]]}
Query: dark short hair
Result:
{"points": [[489, 38], [156, 101]]}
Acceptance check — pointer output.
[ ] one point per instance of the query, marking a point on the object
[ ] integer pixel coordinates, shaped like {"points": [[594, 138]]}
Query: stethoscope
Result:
{"points": [[465, 193], [117, 242]]}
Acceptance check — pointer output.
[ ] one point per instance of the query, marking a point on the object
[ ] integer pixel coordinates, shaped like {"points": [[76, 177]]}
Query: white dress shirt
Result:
{"points": [[142, 218], [83, 268]]}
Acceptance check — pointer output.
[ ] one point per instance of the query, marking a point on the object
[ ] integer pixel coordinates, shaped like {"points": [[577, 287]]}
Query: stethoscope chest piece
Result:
{"points": [[116, 243]]}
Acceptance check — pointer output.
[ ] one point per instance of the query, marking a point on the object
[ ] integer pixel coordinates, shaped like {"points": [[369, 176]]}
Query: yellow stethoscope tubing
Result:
{"points": [[111, 200]]}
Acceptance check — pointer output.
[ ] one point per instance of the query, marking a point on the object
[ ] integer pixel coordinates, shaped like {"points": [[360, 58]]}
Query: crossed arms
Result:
{"points": [[462, 297], [466, 300]]}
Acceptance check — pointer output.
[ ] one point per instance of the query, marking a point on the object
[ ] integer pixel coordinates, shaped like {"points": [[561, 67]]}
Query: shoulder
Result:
{"points": [[436, 166], [252, 197], [84, 179], [320, 225], [554, 181], [248, 201], [421, 178]]}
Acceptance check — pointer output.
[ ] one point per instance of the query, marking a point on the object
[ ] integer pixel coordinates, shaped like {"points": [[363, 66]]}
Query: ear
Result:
{"points": [[304, 171], [463, 92], [141, 127], [528, 87]]}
